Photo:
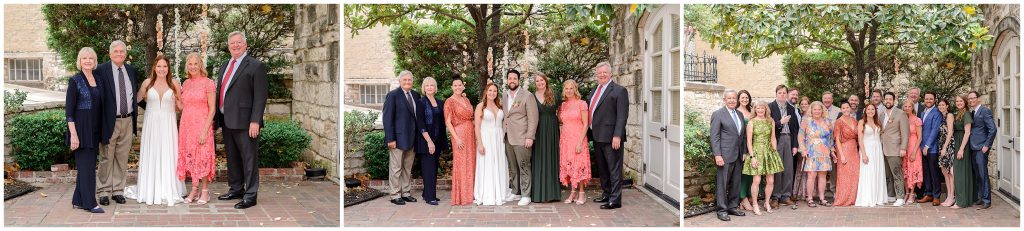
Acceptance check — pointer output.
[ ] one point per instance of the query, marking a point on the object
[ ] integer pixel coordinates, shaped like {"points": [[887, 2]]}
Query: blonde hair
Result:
{"points": [[758, 104], [575, 92], [85, 51], [818, 104], [429, 80], [910, 102], [202, 66]]}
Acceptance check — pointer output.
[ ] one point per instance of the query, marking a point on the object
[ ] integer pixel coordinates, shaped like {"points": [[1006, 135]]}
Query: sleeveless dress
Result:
{"points": [[545, 163], [912, 169], [945, 160], [768, 160], [158, 153], [871, 189], [491, 183], [573, 167], [459, 111], [816, 142], [963, 168], [196, 160], [847, 175]]}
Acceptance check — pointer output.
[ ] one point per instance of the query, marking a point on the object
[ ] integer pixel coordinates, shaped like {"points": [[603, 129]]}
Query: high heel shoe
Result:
{"points": [[768, 207], [572, 194], [192, 194], [582, 199], [204, 197]]}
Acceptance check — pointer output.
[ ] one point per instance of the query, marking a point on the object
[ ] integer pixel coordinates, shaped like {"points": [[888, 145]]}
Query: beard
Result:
{"points": [[513, 86]]}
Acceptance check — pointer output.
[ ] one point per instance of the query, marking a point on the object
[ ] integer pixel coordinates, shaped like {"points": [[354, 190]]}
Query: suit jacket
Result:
{"points": [[610, 113], [794, 125], [400, 119], [436, 129], [983, 129], [930, 130], [521, 116], [105, 73], [727, 140], [895, 133], [246, 96]]}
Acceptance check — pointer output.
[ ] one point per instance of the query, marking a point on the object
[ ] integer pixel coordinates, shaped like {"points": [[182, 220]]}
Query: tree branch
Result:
{"points": [[526, 15], [442, 12]]}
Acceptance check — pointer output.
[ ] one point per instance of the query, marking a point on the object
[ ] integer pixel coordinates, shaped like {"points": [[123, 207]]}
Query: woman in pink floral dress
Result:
{"points": [[912, 161], [195, 142], [574, 154]]}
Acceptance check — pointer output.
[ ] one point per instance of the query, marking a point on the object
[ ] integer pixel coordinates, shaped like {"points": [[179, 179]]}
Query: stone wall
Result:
{"points": [[1003, 22], [703, 98], [625, 54], [315, 81], [25, 39]]}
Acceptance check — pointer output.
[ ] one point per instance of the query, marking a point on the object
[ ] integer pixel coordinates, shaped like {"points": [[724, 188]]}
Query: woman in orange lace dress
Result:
{"points": [[574, 169], [195, 141], [458, 114], [848, 165]]}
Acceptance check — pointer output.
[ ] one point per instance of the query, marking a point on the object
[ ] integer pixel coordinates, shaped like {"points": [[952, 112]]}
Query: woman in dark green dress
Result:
{"points": [[963, 171], [745, 180], [545, 144]]}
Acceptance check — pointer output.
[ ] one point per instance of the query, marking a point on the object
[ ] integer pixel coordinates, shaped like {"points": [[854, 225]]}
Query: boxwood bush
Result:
{"points": [[375, 155], [281, 143], [37, 140]]}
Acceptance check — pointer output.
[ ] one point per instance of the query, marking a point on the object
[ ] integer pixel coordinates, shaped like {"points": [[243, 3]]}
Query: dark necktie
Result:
{"points": [[122, 107]]}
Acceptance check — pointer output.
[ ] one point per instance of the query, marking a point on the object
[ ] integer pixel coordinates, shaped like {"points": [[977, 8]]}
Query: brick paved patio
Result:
{"points": [[638, 210], [1000, 214], [299, 203]]}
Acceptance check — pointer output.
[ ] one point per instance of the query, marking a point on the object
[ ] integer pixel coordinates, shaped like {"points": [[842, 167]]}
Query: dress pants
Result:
{"points": [[243, 167], [609, 166], [932, 184], [428, 168], [112, 175], [400, 172], [727, 185], [981, 185], [520, 169], [784, 179], [85, 183], [895, 183]]}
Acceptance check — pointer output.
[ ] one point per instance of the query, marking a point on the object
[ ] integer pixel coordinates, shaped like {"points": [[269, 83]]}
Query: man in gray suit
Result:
{"points": [[241, 100], [895, 133], [983, 132], [728, 141], [520, 126]]}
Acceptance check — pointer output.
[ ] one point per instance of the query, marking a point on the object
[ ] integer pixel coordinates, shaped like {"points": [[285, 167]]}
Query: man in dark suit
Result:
{"points": [[983, 132], [241, 100], [119, 124], [786, 129], [400, 135], [728, 142], [609, 108], [932, 176]]}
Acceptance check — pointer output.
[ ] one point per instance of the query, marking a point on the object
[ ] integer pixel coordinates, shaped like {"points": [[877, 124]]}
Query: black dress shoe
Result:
{"points": [[611, 206], [104, 200], [735, 212], [398, 201], [984, 206], [409, 199], [433, 202], [230, 196], [979, 202], [244, 204], [119, 199], [601, 200], [723, 216]]}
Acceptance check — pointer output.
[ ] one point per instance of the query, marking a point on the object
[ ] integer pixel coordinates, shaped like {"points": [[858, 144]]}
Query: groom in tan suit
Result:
{"points": [[895, 132], [520, 125]]}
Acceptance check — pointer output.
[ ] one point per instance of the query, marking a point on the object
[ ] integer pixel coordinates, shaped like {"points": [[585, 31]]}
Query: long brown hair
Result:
{"points": [[960, 112], [549, 98], [874, 119], [483, 96], [750, 100], [152, 74]]}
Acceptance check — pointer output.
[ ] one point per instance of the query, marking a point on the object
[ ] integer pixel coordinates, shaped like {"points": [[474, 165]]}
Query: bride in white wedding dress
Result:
{"points": [[871, 184], [491, 184], [158, 152]]}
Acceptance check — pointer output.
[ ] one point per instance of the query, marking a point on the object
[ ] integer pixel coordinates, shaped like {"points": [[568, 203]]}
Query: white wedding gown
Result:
{"points": [[158, 153], [871, 184], [491, 184]]}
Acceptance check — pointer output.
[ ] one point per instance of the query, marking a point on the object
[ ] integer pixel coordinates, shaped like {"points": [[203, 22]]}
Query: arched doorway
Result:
{"points": [[661, 94], [1006, 60]]}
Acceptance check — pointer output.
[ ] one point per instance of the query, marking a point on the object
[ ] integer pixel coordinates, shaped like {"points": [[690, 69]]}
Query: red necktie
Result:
{"points": [[224, 84], [593, 103]]}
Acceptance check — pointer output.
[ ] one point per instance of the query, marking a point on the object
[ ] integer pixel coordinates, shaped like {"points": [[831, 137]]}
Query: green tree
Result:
{"points": [[267, 28], [858, 31]]}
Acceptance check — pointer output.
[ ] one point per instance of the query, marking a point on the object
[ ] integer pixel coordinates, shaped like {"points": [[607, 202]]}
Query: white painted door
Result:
{"points": [[1008, 110], [661, 117]]}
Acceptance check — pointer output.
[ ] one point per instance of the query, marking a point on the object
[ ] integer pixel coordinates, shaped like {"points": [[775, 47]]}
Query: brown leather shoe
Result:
{"points": [[775, 203], [926, 199], [787, 202], [936, 202]]}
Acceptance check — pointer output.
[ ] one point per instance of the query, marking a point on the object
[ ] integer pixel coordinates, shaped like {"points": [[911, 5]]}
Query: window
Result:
{"points": [[373, 94], [25, 69]]}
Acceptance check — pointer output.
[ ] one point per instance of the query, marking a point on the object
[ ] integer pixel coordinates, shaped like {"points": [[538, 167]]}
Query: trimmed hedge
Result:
{"points": [[38, 140], [375, 155], [281, 143]]}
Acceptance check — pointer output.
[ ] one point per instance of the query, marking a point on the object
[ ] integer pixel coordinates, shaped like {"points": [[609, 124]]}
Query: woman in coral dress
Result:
{"points": [[912, 161], [195, 142], [574, 169], [847, 167], [458, 117]]}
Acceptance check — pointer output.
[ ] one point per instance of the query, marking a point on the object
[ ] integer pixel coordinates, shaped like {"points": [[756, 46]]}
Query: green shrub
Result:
{"points": [[38, 140], [697, 151], [357, 124], [13, 100], [281, 143], [375, 155]]}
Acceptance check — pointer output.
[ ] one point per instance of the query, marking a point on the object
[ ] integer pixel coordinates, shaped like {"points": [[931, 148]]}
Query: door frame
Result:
{"points": [[649, 24], [1009, 43]]}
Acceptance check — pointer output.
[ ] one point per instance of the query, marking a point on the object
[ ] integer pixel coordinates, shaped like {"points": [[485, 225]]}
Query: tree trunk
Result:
{"points": [[148, 35]]}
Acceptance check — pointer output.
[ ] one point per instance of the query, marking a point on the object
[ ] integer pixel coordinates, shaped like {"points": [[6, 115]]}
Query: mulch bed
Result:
{"points": [[359, 195], [699, 209], [17, 188]]}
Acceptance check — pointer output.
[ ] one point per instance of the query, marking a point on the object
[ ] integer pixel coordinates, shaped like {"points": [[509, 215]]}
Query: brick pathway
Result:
{"points": [[1000, 214], [639, 210], [300, 203]]}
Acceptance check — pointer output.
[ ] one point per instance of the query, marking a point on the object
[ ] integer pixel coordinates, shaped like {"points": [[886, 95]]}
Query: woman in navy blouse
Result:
{"points": [[433, 139], [83, 106]]}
